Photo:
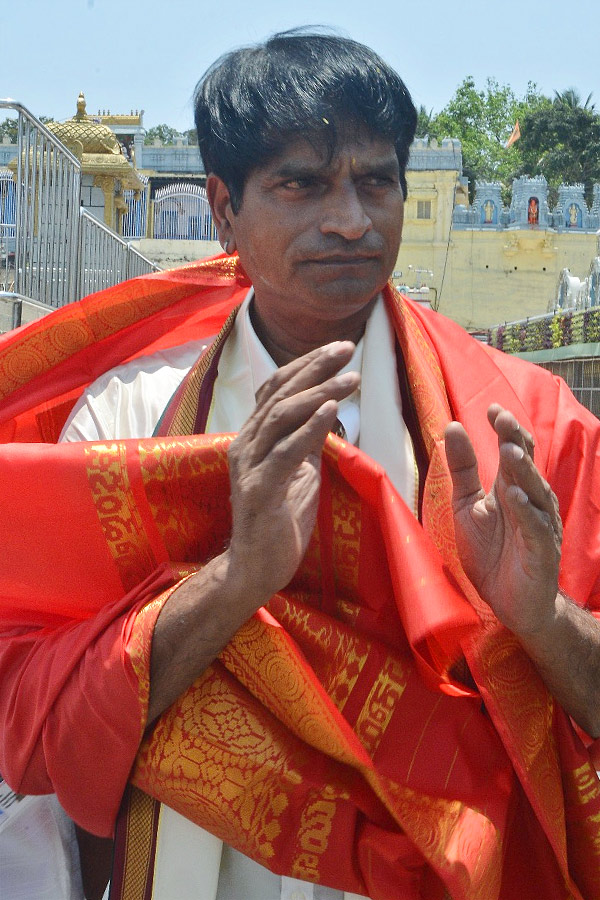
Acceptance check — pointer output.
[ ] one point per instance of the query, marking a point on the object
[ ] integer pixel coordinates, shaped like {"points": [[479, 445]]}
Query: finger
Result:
{"points": [[301, 374], [304, 443], [462, 463], [286, 415], [305, 371], [507, 428], [540, 535], [519, 470]]}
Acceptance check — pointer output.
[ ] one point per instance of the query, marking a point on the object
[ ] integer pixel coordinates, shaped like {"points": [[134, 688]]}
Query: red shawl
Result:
{"points": [[330, 740]]}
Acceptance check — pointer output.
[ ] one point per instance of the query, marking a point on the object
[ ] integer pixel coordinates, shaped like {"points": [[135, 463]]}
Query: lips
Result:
{"points": [[340, 260]]}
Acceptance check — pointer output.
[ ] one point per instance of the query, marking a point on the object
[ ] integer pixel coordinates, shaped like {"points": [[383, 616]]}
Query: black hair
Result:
{"points": [[253, 101]]}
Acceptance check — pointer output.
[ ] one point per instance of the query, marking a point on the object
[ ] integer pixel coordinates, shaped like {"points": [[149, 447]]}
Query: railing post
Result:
{"points": [[17, 313]]}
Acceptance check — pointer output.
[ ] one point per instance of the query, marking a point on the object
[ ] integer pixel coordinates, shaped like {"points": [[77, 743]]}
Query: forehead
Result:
{"points": [[358, 148]]}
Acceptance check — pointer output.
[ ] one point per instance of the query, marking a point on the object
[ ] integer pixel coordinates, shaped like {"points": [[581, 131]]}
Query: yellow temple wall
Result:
{"points": [[481, 278]]}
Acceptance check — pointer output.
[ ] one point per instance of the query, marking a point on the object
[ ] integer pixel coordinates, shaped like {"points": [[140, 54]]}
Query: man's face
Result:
{"points": [[319, 239]]}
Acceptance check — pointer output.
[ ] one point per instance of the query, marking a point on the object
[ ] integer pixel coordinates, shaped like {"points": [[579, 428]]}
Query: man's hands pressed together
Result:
{"points": [[275, 480], [509, 543]]}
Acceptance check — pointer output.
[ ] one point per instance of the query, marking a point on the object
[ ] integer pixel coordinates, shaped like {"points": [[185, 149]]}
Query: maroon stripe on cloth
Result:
{"points": [[135, 847]]}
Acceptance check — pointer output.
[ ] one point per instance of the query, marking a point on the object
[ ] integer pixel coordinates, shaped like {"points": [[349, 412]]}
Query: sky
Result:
{"points": [[129, 54]]}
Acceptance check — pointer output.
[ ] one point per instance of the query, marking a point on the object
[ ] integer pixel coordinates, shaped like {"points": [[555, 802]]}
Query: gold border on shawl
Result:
{"points": [[346, 536], [117, 512], [74, 327], [523, 704], [314, 832], [424, 374], [379, 706], [165, 464]]}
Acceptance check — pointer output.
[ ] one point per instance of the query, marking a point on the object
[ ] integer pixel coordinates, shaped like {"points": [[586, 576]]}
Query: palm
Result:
{"points": [[508, 540]]}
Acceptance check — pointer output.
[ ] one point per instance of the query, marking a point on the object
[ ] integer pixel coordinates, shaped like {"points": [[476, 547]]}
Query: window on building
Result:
{"points": [[423, 209]]}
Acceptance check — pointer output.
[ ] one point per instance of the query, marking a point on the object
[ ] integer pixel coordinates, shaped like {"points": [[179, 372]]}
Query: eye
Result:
{"points": [[299, 184], [377, 180]]}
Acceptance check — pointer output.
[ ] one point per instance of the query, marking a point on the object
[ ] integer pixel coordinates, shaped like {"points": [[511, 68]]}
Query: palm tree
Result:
{"points": [[572, 98], [424, 121]]}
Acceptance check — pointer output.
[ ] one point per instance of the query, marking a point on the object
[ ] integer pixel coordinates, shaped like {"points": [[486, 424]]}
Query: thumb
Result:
{"points": [[462, 463]]}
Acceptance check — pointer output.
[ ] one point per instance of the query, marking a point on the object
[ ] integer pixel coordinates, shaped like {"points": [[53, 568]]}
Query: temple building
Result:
{"points": [[479, 263], [490, 262], [107, 172]]}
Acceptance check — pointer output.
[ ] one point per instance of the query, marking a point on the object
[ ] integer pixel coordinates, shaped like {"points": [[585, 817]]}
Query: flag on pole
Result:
{"points": [[516, 134]]}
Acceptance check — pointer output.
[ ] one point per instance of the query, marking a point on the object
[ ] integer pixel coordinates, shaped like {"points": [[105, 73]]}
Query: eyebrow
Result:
{"points": [[301, 169]]}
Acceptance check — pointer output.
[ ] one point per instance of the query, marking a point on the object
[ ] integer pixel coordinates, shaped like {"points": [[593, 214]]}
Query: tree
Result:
{"points": [[561, 140], [425, 122], [571, 97], [192, 137], [8, 128], [165, 133], [483, 120]]}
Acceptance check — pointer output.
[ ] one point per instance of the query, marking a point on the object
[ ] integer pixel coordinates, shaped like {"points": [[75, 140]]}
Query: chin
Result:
{"points": [[352, 291]]}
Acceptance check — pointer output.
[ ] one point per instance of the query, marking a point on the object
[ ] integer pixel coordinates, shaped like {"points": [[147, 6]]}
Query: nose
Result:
{"points": [[345, 213]]}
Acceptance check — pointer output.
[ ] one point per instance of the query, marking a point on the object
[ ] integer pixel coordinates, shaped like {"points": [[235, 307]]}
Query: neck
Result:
{"points": [[284, 343]]}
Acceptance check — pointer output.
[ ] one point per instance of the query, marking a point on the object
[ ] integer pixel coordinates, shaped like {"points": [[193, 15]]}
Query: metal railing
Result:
{"points": [[105, 258], [583, 378], [47, 198], [55, 251], [12, 306]]}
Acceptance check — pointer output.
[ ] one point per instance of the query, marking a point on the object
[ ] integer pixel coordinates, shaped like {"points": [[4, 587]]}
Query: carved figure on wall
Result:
{"points": [[533, 211], [574, 216], [488, 208]]}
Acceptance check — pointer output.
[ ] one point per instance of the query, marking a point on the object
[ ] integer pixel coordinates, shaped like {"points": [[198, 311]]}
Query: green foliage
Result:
{"points": [[192, 137], [483, 120], [425, 121], [561, 140], [165, 133], [8, 128]]}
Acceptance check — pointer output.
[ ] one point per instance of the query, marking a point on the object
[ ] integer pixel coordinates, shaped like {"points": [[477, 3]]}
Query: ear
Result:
{"points": [[222, 213]]}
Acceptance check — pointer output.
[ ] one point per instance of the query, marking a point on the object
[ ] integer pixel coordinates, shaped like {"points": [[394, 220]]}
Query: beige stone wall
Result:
{"points": [[171, 254], [481, 278]]}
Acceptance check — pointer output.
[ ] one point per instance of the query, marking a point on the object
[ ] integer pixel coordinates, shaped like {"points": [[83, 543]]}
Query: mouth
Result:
{"points": [[342, 260]]}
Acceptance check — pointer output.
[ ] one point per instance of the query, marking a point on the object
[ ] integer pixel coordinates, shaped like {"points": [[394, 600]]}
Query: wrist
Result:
{"points": [[541, 629], [241, 583]]}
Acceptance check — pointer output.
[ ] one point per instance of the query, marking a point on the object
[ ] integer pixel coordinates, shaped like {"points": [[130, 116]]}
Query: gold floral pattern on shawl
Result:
{"points": [[263, 660], [172, 470], [118, 514], [204, 751], [342, 653], [77, 326], [447, 832]]}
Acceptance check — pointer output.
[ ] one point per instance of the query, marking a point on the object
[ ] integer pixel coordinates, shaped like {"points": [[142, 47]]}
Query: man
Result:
{"points": [[347, 688]]}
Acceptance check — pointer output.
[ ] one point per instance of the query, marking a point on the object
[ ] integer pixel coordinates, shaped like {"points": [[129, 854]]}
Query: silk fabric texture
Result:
{"points": [[337, 707]]}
